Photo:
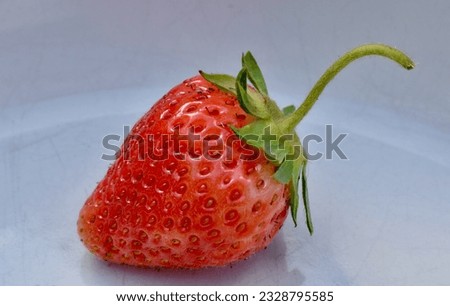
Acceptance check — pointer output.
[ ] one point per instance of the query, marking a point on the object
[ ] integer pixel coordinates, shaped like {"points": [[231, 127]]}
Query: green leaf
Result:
{"points": [[251, 101], [252, 132], [256, 99], [263, 134], [306, 200], [254, 73], [288, 109], [241, 93], [284, 172], [251, 104], [294, 201], [223, 81], [242, 78], [295, 175]]}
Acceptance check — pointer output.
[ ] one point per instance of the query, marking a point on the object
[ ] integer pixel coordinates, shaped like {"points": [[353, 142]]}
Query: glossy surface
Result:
{"points": [[185, 192]]}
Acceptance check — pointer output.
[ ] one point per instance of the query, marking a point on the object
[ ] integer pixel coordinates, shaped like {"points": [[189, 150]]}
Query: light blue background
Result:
{"points": [[72, 72]]}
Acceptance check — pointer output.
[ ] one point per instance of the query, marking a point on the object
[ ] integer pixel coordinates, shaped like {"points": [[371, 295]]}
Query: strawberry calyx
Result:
{"points": [[273, 131]]}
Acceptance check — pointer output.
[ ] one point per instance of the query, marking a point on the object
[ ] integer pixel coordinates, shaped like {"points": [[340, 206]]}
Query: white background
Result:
{"points": [[72, 72]]}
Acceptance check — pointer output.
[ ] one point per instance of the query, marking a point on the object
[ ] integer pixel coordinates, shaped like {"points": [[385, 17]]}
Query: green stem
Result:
{"points": [[288, 123]]}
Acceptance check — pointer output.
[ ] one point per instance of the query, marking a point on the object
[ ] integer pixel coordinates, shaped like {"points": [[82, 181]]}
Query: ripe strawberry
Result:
{"points": [[196, 183], [185, 213]]}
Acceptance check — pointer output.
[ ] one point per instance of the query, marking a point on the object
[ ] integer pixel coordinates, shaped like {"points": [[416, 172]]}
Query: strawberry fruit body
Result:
{"points": [[194, 185], [189, 208]]}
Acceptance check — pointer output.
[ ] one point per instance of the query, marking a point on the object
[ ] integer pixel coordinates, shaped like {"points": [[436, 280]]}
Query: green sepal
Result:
{"points": [[251, 103], [293, 188], [254, 73], [254, 134], [305, 197], [241, 93], [288, 109], [284, 172], [241, 79], [244, 100], [224, 81]]}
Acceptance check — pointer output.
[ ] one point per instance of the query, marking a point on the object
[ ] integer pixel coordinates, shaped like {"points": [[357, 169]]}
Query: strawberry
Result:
{"points": [[206, 177]]}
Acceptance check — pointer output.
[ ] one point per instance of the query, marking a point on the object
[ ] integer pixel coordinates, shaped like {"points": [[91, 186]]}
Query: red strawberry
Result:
{"points": [[195, 184], [190, 210]]}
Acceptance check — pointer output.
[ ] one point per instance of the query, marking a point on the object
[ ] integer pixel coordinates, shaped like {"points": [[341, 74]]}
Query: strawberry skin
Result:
{"points": [[189, 209]]}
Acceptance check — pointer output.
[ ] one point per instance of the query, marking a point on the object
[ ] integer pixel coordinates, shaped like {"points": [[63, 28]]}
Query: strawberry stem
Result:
{"points": [[288, 123]]}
